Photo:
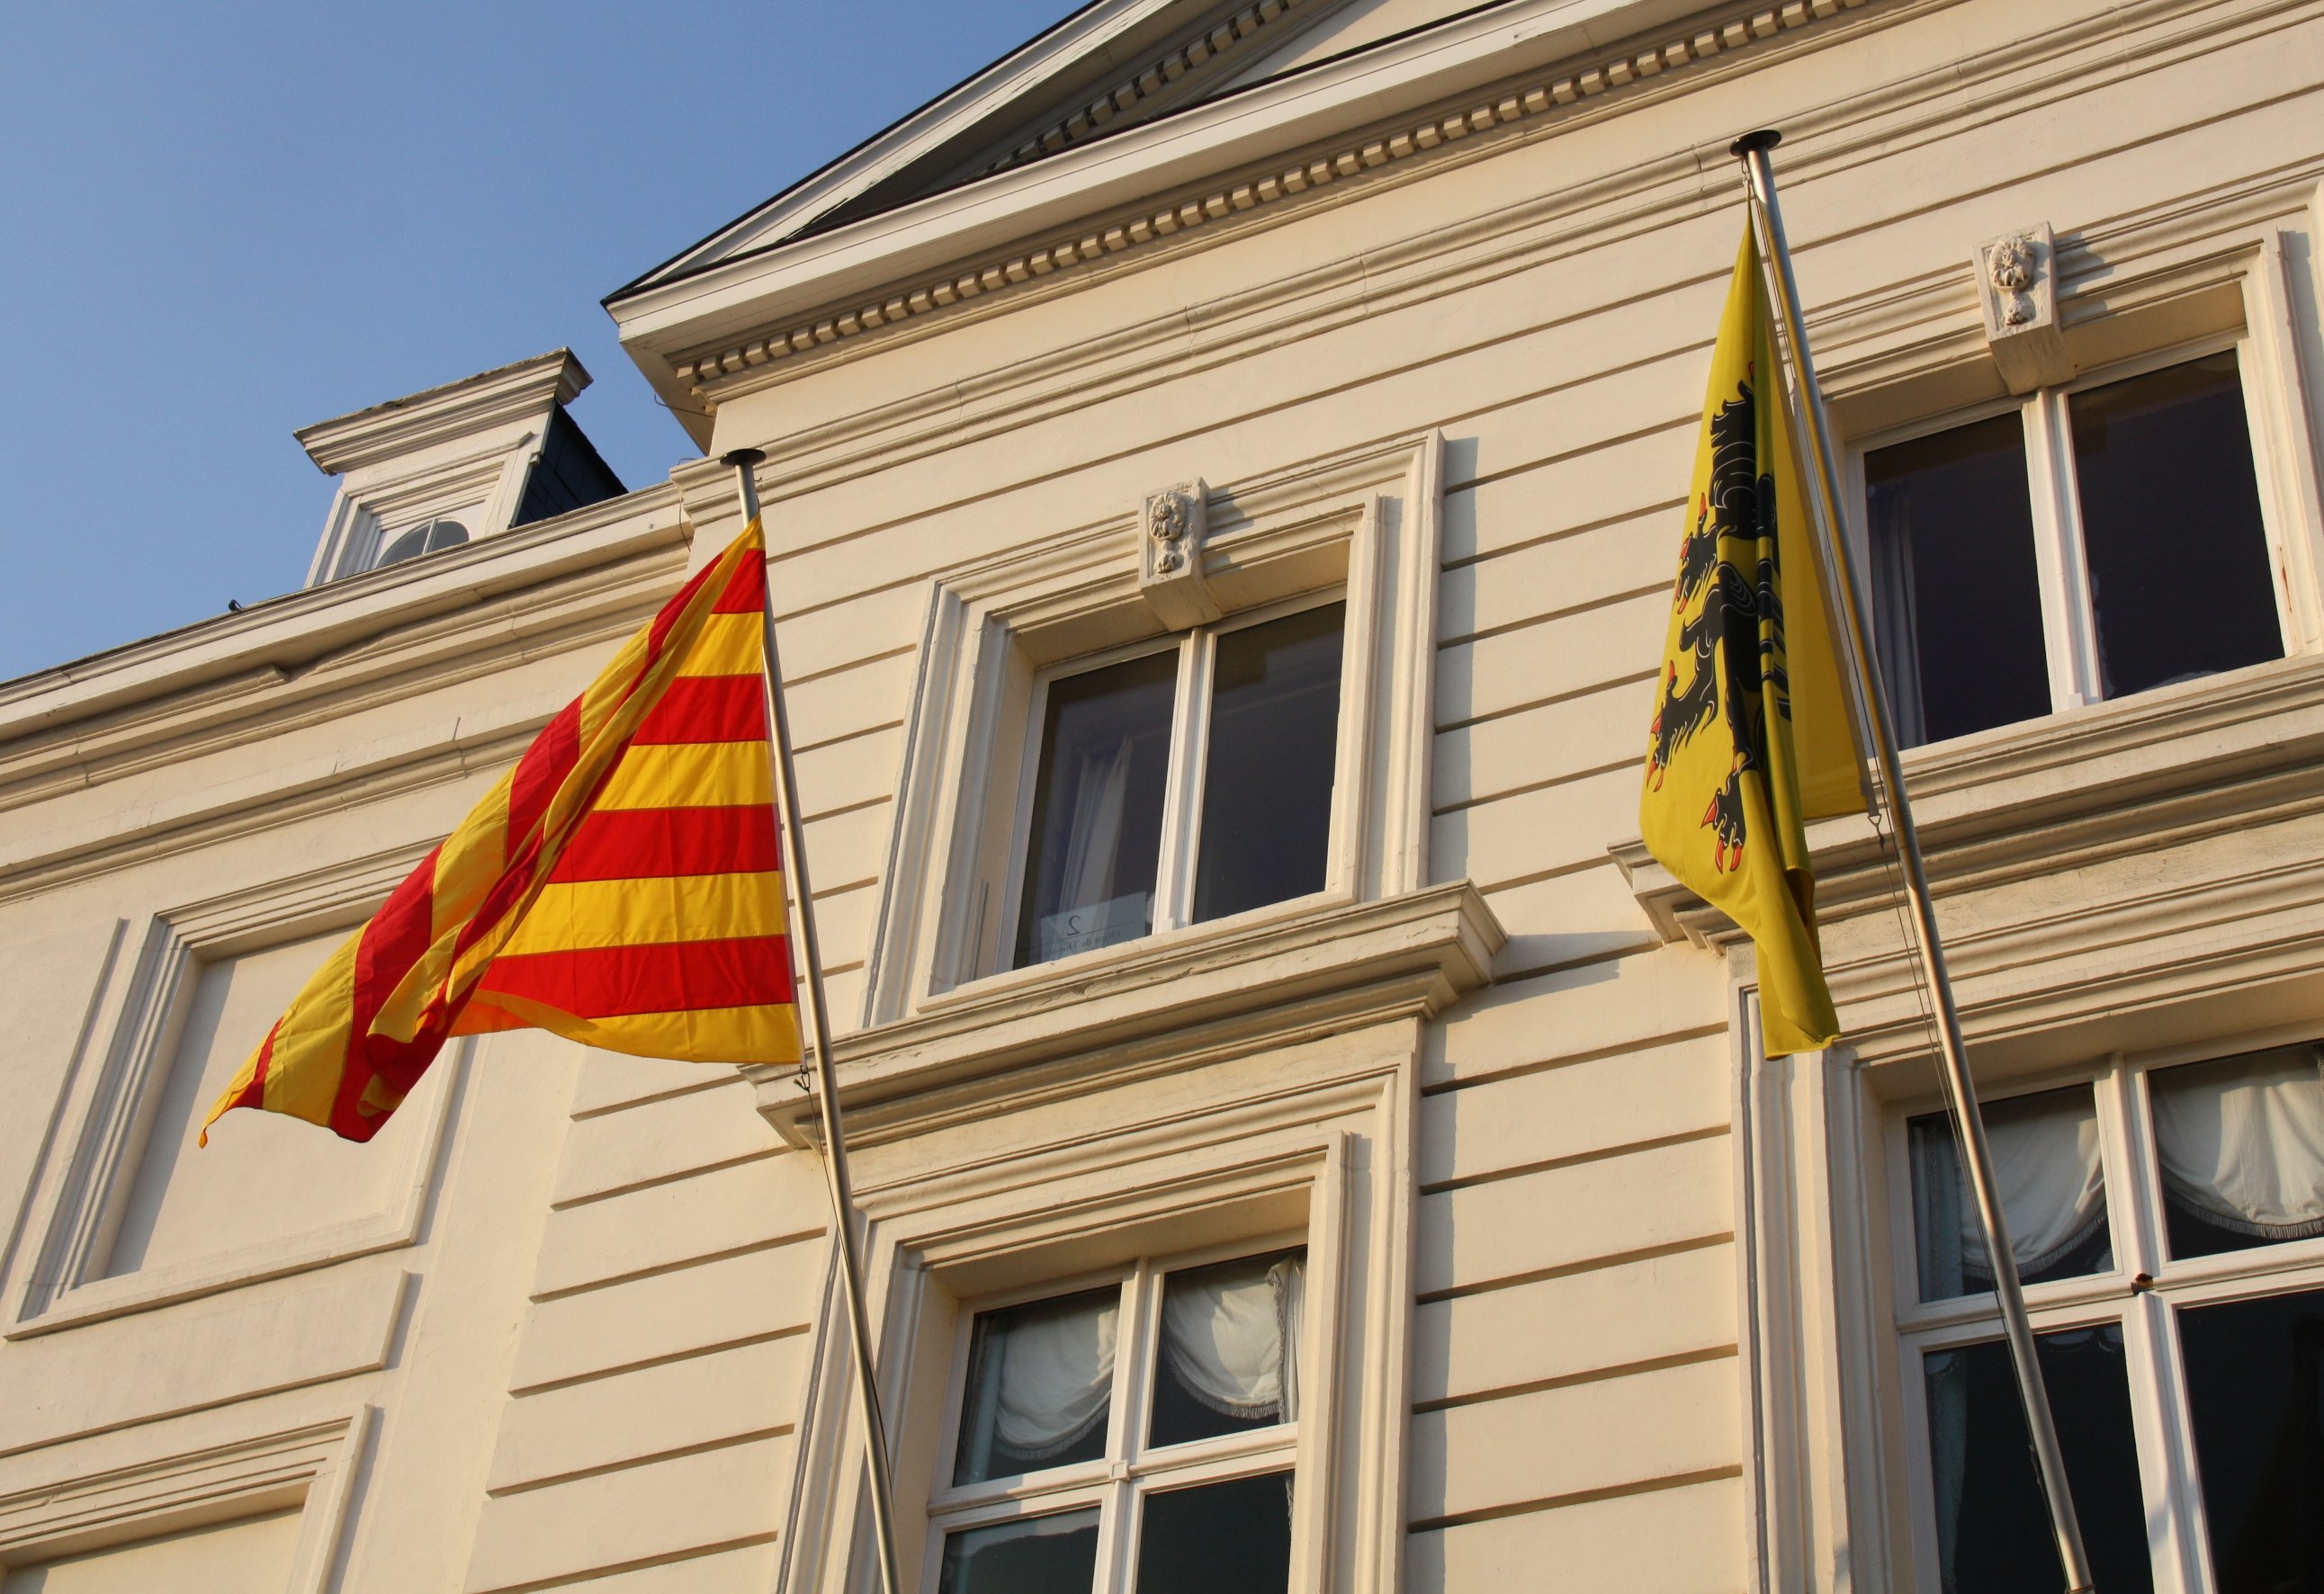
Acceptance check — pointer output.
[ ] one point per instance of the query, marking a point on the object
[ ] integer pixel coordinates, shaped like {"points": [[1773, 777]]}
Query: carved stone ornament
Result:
{"points": [[2017, 289], [1173, 525]]}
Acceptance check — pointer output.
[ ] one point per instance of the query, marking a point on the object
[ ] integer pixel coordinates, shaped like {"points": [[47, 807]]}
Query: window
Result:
{"points": [[2084, 544], [1138, 1436], [428, 539], [1181, 783], [2167, 1220]]}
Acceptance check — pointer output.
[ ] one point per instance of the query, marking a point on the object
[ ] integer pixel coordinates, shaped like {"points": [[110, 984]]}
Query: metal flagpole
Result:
{"points": [[835, 1148], [1960, 1092]]}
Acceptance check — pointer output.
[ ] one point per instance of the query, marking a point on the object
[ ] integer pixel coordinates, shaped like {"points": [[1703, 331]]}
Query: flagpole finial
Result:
{"points": [[743, 458], [1765, 138]]}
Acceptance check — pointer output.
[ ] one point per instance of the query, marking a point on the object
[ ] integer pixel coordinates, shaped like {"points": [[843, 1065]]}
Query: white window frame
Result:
{"points": [[1119, 1482], [2139, 1292], [2061, 567], [1365, 524], [1187, 764]]}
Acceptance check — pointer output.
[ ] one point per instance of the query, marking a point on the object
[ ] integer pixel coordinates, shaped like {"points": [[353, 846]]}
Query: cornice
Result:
{"points": [[460, 409], [706, 374], [1169, 1002], [282, 637]]}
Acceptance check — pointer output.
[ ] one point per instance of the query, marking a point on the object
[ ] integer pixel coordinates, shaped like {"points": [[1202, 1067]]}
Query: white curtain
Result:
{"points": [[1093, 836], [2241, 1143], [1043, 1375], [1044, 1378], [1232, 1336], [2045, 1159]]}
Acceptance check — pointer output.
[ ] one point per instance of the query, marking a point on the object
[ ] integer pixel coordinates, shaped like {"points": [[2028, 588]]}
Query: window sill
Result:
{"points": [[1155, 1005], [2123, 857]]}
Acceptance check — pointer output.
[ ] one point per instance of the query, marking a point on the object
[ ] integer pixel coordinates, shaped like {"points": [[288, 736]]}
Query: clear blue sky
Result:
{"points": [[221, 222]]}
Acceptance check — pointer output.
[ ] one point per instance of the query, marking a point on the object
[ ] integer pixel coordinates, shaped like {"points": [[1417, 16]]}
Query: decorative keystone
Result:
{"points": [[2017, 289], [1172, 528]]}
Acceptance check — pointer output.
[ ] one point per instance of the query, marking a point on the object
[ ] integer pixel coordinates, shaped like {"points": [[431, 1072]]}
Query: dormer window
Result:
{"points": [[431, 538]]}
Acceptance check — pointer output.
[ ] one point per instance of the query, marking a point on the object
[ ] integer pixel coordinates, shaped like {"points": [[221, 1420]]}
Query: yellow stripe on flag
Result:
{"points": [[691, 774], [569, 917]]}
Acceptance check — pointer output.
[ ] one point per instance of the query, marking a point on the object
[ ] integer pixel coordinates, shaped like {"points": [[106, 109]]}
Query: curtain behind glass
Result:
{"points": [[1096, 834], [2045, 1156], [2241, 1141], [1040, 1385], [1230, 1343]]}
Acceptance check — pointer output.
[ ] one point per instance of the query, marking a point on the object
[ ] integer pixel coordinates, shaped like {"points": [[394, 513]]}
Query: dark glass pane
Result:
{"points": [[1229, 1361], [2179, 564], [1097, 809], [2046, 1157], [1223, 1538], [1952, 556], [1992, 1528], [1040, 1386], [1036, 1555], [1274, 734], [2255, 1390], [2241, 1143]]}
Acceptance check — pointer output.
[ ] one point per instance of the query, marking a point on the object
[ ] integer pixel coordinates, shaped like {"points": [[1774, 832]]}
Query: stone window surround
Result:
{"points": [[2231, 961], [78, 1194], [1311, 1139], [1367, 522], [310, 1465]]}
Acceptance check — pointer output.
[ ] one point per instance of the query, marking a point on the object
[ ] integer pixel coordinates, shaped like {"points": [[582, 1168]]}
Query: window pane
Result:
{"points": [[1229, 1361], [2179, 564], [2045, 1155], [1274, 736], [1040, 1386], [1223, 1538], [1952, 561], [2241, 1142], [2255, 1391], [1992, 1528], [1038, 1555], [1097, 809]]}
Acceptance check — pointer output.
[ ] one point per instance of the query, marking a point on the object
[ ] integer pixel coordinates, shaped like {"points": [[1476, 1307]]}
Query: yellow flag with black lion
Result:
{"points": [[1751, 736]]}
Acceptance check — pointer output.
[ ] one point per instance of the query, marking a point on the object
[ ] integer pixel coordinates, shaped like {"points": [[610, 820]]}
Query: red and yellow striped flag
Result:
{"points": [[620, 887]]}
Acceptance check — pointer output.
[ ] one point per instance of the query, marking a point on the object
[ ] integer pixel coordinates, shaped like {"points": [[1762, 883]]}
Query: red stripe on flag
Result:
{"points": [[542, 769], [616, 981], [634, 844], [394, 939], [659, 632], [747, 591], [706, 708]]}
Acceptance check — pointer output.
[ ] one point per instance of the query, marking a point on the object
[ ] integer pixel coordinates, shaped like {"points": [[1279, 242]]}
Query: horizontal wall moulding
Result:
{"points": [[704, 372]]}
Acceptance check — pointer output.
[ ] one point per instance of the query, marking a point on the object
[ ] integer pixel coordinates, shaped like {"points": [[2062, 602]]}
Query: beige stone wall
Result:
{"points": [[601, 1364]]}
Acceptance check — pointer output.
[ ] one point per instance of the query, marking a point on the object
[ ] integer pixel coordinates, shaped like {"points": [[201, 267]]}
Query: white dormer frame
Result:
{"points": [[464, 450]]}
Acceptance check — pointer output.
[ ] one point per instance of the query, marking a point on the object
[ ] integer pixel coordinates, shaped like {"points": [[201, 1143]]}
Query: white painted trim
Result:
{"points": [[1314, 1138], [311, 1466], [77, 1202], [1366, 522]]}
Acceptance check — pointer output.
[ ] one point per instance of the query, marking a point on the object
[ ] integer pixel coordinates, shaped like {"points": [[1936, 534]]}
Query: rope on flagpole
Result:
{"points": [[834, 1147], [1961, 1090]]}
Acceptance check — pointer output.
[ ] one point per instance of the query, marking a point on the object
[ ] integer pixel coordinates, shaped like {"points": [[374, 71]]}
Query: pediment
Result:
{"points": [[1112, 66]]}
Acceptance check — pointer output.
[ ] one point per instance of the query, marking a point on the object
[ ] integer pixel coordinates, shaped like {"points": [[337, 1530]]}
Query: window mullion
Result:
{"points": [[1182, 799], [2069, 621], [2166, 1447]]}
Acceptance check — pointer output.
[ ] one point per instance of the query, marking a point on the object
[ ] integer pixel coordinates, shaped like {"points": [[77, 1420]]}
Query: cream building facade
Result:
{"points": [[1224, 467]]}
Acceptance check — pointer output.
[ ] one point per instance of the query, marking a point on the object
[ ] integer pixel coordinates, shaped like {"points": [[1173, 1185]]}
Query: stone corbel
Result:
{"points": [[1172, 529], [2017, 289]]}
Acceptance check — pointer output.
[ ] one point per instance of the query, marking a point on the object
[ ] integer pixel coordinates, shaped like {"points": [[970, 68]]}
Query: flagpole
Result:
{"points": [[1960, 1091], [834, 1157]]}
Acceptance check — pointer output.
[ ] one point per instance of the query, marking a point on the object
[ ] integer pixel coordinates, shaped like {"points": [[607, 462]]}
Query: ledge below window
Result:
{"points": [[2089, 867], [1169, 1002]]}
